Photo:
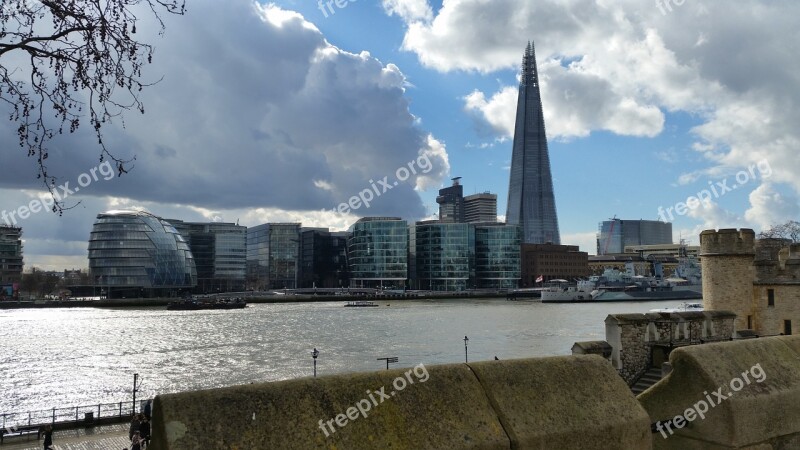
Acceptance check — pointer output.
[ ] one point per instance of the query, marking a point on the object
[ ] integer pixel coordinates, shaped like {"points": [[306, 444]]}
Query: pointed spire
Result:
{"points": [[529, 76]]}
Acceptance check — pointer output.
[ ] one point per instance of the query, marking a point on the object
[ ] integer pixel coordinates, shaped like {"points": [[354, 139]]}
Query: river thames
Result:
{"points": [[81, 356]]}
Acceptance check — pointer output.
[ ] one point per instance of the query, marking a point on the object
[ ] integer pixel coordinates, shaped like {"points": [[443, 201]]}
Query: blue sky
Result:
{"points": [[274, 112]]}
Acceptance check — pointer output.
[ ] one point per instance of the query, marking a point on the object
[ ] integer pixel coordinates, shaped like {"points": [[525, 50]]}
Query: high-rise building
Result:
{"points": [[273, 256], [323, 258], [136, 254], [377, 252], [10, 261], [220, 251], [451, 203], [616, 234], [531, 201], [497, 256], [443, 256], [480, 208]]}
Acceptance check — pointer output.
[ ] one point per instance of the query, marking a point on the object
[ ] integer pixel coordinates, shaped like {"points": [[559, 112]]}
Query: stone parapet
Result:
{"points": [[532, 403]]}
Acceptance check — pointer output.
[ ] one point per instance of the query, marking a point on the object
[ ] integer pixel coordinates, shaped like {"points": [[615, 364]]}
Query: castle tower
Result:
{"points": [[728, 273]]}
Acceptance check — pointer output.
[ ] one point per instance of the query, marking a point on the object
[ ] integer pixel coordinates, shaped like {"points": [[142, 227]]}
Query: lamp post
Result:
{"points": [[314, 355], [466, 357]]}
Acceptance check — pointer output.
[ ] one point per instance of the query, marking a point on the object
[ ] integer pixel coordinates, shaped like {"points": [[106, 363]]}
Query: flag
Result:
{"points": [[540, 279]]}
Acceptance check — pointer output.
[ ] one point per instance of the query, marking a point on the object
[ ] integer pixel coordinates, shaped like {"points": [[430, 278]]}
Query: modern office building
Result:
{"points": [[220, 254], [531, 201], [616, 234], [323, 258], [11, 263], [497, 255], [451, 203], [273, 256], [551, 261], [136, 254], [377, 253], [443, 256], [480, 208]]}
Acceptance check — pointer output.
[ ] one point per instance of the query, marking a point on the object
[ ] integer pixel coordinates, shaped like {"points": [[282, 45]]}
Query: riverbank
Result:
{"points": [[277, 298]]}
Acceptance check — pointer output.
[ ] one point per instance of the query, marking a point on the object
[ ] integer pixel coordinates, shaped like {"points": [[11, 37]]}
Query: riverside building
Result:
{"points": [[220, 254], [616, 234], [497, 255], [442, 256], [377, 253], [273, 251], [137, 254]]}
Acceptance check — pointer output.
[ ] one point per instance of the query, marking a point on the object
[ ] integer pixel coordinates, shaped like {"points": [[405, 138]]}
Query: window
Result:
{"points": [[749, 322], [770, 297], [787, 327]]}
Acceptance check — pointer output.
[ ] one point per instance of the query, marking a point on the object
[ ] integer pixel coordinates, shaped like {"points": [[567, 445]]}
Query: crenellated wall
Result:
{"points": [[636, 338]]}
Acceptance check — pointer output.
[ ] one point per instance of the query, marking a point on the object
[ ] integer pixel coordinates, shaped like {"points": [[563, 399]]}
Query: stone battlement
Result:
{"points": [[727, 241]]}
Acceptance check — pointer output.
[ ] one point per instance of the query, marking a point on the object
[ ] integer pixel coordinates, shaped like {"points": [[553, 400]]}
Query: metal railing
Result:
{"points": [[66, 415]]}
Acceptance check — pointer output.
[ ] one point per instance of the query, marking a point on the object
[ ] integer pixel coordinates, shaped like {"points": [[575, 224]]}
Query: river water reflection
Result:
{"points": [[64, 357]]}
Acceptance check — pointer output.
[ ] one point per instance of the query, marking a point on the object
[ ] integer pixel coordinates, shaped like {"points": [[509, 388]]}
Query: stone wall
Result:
{"points": [[530, 403], [734, 395], [641, 341], [769, 320]]}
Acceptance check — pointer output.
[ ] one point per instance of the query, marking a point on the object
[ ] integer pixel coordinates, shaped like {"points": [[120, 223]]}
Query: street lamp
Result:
{"points": [[466, 357], [314, 355]]}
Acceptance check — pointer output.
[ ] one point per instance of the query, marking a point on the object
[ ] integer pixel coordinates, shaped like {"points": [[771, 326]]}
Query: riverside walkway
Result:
{"points": [[104, 437]]}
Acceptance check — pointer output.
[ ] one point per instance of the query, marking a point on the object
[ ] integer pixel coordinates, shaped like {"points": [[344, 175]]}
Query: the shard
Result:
{"points": [[531, 202]]}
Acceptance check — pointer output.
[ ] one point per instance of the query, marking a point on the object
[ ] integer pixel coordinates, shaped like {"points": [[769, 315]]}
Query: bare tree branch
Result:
{"points": [[84, 64]]}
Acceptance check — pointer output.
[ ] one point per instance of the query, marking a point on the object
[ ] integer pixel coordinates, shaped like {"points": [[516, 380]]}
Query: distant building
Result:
{"points": [[616, 234], [323, 258], [531, 200], [443, 256], [497, 255], [273, 253], [220, 252], [11, 263], [675, 250], [451, 203], [758, 280], [551, 261], [377, 253], [137, 254], [480, 208]]}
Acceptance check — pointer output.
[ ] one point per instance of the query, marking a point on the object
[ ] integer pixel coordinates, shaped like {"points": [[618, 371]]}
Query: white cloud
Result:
{"points": [[769, 207], [409, 10]]}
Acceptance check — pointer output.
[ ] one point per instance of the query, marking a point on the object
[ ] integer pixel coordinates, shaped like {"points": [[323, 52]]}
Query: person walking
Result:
{"points": [[144, 431], [48, 437], [135, 425]]}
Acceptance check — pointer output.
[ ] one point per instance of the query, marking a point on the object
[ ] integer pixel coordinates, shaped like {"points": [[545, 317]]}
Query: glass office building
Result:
{"points": [[219, 251], [497, 255], [377, 249], [273, 252], [134, 253], [443, 256], [616, 234]]}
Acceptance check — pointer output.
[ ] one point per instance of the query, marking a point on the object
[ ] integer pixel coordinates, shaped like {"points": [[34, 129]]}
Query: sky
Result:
{"points": [[282, 111]]}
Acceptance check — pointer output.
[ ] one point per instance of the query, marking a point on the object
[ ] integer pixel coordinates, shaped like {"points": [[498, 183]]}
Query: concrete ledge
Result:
{"points": [[761, 415], [573, 402]]}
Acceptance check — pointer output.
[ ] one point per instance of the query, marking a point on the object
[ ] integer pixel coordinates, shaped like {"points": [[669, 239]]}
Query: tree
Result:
{"points": [[789, 231], [61, 60]]}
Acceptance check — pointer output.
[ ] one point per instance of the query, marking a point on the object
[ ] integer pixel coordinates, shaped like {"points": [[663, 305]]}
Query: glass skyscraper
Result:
{"points": [[219, 251], [377, 252], [273, 253], [531, 201], [497, 256], [133, 253], [443, 255]]}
